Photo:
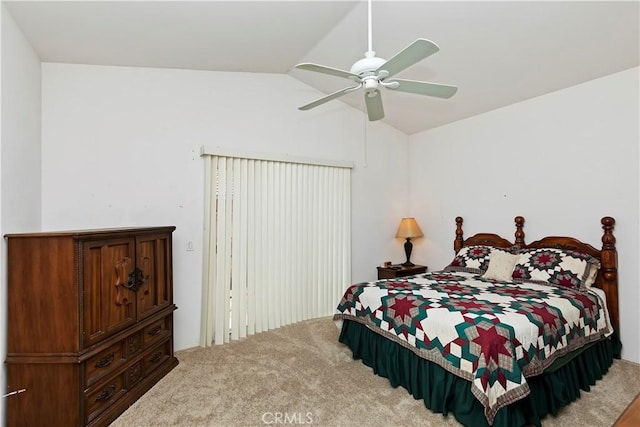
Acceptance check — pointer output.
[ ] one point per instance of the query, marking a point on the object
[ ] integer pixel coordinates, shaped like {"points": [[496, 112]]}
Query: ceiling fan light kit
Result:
{"points": [[372, 72]]}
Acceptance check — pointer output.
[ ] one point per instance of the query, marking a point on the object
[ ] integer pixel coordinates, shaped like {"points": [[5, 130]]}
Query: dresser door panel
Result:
{"points": [[109, 306], [153, 258]]}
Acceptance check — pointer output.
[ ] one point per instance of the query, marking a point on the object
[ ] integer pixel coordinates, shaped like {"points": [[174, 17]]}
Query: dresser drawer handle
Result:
{"points": [[155, 357], [105, 361], [106, 393], [155, 331]]}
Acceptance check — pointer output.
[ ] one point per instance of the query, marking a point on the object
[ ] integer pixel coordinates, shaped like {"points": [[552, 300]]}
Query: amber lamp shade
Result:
{"points": [[408, 229]]}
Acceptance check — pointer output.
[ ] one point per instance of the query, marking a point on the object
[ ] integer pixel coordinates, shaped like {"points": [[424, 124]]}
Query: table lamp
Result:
{"points": [[408, 229]]}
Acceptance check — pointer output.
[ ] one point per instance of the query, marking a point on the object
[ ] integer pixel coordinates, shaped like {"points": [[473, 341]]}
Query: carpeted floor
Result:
{"points": [[301, 374]]}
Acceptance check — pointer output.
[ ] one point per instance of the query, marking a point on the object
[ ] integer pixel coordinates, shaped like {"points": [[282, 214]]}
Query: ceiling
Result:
{"points": [[497, 53]]}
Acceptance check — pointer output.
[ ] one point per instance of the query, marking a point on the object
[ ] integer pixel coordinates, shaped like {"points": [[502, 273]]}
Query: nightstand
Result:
{"points": [[399, 270]]}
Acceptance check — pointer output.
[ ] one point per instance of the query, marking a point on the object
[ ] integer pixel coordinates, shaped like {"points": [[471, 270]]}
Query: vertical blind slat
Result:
{"points": [[206, 324], [242, 300], [220, 252], [251, 251], [236, 253], [271, 244], [228, 239], [305, 262], [288, 231], [264, 249]]}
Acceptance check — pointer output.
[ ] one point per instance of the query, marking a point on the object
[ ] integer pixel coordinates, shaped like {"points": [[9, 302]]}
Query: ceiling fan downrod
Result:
{"points": [[370, 63]]}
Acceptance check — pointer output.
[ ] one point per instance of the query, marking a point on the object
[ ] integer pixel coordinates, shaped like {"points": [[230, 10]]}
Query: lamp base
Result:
{"points": [[408, 246]]}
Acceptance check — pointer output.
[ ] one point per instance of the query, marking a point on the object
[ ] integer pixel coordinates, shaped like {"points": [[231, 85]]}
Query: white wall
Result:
{"points": [[20, 152], [20, 130], [562, 160], [120, 148]]}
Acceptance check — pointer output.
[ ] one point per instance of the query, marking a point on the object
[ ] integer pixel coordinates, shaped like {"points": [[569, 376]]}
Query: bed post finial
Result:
{"points": [[609, 261], [608, 239], [519, 233], [457, 243]]}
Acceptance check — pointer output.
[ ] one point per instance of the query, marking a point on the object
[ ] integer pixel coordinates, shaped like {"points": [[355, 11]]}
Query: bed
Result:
{"points": [[505, 334]]}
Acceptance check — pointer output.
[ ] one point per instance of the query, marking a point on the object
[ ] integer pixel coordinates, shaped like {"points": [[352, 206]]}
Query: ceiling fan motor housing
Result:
{"points": [[367, 65]]}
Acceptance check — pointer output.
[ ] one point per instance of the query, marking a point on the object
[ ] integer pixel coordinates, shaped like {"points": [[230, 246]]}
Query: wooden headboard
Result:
{"points": [[607, 278]]}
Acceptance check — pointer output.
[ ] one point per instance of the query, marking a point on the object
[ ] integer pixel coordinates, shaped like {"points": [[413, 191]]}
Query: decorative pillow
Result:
{"points": [[555, 266], [592, 274], [473, 259], [501, 266]]}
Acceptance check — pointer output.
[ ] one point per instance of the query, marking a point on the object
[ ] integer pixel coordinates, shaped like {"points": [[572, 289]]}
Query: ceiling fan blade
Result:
{"points": [[374, 105], [328, 70], [416, 51], [422, 88], [329, 97]]}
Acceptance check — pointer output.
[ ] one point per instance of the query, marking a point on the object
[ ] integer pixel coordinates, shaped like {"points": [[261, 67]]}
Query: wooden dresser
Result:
{"points": [[90, 323]]}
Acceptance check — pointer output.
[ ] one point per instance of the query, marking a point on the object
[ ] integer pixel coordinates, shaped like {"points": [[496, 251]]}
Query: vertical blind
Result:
{"points": [[277, 244]]}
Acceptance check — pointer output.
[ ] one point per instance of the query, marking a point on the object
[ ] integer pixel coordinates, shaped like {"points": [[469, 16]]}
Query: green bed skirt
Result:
{"points": [[445, 393]]}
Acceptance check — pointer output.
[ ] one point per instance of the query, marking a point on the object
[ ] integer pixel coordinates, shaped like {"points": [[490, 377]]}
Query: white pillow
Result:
{"points": [[591, 278], [500, 266]]}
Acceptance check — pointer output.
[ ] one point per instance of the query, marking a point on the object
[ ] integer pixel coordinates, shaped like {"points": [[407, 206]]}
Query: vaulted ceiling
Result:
{"points": [[497, 53]]}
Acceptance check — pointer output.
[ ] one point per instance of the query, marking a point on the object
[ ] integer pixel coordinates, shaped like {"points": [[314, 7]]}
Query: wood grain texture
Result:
{"points": [[631, 416]]}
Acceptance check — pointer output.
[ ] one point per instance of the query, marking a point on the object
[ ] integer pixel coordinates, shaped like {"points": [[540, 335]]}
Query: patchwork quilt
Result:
{"points": [[493, 334]]}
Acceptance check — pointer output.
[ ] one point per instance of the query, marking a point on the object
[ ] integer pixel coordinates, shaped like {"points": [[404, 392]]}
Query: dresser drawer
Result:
{"points": [[105, 362], [99, 398], [156, 357], [156, 332]]}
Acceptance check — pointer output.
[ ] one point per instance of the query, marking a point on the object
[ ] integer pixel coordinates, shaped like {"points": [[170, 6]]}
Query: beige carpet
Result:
{"points": [[301, 374]]}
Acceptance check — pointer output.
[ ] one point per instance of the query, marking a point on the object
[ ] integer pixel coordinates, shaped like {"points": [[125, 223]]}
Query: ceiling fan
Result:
{"points": [[372, 73]]}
